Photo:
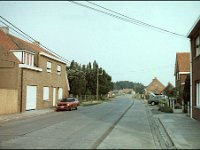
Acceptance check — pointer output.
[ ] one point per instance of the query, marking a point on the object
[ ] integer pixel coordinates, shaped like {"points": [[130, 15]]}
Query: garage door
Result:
{"points": [[31, 97]]}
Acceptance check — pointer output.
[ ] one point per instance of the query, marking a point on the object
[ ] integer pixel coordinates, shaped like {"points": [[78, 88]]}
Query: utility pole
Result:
{"points": [[97, 90]]}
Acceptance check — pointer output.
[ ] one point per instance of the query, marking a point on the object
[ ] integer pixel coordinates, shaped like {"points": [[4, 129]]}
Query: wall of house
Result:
{"points": [[180, 84], [41, 79], [8, 73], [8, 101], [195, 77]]}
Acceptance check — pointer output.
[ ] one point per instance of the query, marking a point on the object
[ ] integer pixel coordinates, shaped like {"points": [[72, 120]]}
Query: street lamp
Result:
{"points": [[97, 90]]}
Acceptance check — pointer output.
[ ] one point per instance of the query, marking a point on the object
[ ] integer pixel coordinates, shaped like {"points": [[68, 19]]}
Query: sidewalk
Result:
{"points": [[183, 130], [131, 132], [26, 114]]}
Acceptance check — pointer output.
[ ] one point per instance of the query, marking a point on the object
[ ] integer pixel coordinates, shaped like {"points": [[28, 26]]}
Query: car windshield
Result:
{"points": [[67, 100]]}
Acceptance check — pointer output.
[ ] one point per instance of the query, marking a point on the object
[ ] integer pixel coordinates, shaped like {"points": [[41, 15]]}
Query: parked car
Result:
{"points": [[155, 100], [67, 104]]}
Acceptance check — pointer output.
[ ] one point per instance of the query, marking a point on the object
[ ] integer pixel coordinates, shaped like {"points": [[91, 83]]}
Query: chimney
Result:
{"points": [[36, 43], [4, 29]]}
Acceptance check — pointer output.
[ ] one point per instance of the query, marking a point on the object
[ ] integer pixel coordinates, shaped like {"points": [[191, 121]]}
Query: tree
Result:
{"points": [[186, 92], [137, 87], [83, 79]]}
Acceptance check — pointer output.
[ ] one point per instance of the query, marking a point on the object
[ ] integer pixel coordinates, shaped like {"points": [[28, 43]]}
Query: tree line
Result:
{"points": [[83, 79], [137, 87]]}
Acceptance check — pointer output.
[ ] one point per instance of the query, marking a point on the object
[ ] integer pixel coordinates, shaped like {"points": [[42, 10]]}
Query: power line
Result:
{"points": [[29, 37], [15, 31], [140, 22], [125, 18]]}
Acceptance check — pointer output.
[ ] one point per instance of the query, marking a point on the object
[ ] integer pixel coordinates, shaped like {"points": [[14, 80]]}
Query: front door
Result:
{"points": [[54, 96], [31, 97]]}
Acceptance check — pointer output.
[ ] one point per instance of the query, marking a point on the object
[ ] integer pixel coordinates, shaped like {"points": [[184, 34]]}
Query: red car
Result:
{"points": [[67, 104]]}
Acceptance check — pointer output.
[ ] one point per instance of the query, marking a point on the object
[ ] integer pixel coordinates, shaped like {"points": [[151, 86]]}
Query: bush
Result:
{"points": [[177, 106], [166, 109], [162, 101]]}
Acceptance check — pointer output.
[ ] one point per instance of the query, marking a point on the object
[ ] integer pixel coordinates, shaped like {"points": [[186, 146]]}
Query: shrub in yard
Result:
{"points": [[166, 109], [163, 107], [177, 106]]}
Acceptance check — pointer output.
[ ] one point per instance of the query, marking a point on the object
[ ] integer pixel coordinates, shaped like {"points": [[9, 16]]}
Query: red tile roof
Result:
{"points": [[10, 42], [183, 62], [6, 42]]}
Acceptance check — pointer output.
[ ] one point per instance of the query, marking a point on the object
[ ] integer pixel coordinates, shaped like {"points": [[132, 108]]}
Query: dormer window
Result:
{"points": [[25, 57]]}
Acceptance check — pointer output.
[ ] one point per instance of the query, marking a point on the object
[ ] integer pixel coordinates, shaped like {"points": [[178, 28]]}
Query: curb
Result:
{"points": [[24, 115], [167, 133]]}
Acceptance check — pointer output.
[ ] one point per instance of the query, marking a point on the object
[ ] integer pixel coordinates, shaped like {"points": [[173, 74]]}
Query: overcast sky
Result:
{"points": [[126, 51]]}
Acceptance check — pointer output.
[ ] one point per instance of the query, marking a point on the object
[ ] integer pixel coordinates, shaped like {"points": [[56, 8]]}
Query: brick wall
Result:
{"points": [[41, 79], [195, 72]]}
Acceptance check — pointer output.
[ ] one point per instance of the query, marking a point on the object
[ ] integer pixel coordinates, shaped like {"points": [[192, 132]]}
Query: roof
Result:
{"points": [[155, 86], [194, 28], [169, 86], [182, 62], [9, 42]]}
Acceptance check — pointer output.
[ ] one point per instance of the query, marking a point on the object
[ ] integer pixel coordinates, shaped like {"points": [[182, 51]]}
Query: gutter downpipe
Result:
{"points": [[21, 90], [191, 80], [21, 84]]}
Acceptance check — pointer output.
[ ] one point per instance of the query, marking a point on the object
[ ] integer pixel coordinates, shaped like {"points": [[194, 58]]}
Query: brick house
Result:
{"points": [[182, 69], [155, 87], [194, 36], [38, 76]]}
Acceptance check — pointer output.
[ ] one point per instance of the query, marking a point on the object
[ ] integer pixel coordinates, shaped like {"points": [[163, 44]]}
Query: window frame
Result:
{"points": [[197, 45], [49, 66], [45, 93], [59, 69], [198, 94], [178, 77], [60, 93]]}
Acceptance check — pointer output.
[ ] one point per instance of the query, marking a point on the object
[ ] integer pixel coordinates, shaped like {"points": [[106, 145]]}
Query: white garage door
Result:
{"points": [[31, 97]]}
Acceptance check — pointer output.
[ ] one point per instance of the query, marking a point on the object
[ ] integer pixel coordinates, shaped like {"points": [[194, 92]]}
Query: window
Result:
{"points": [[177, 76], [25, 57], [197, 46], [46, 93], [28, 59], [48, 66], [198, 94], [58, 69], [60, 93]]}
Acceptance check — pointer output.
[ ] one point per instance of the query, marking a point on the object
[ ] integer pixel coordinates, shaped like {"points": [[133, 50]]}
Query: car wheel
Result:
{"points": [[70, 109], [152, 103], [76, 108]]}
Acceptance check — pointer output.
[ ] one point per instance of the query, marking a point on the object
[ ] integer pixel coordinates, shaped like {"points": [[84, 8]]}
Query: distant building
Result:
{"points": [[194, 36], [127, 91], [155, 87]]}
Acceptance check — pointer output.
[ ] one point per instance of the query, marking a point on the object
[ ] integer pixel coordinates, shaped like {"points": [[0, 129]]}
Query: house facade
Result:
{"points": [[155, 87], [38, 76], [182, 69], [194, 36]]}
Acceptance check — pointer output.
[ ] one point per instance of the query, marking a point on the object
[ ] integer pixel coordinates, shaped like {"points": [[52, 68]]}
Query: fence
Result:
{"points": [[90, 97], [8, 101]]}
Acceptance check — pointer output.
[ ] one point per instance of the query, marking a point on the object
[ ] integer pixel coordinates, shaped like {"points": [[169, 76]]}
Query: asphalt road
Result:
{"points": [[106, 125]]}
